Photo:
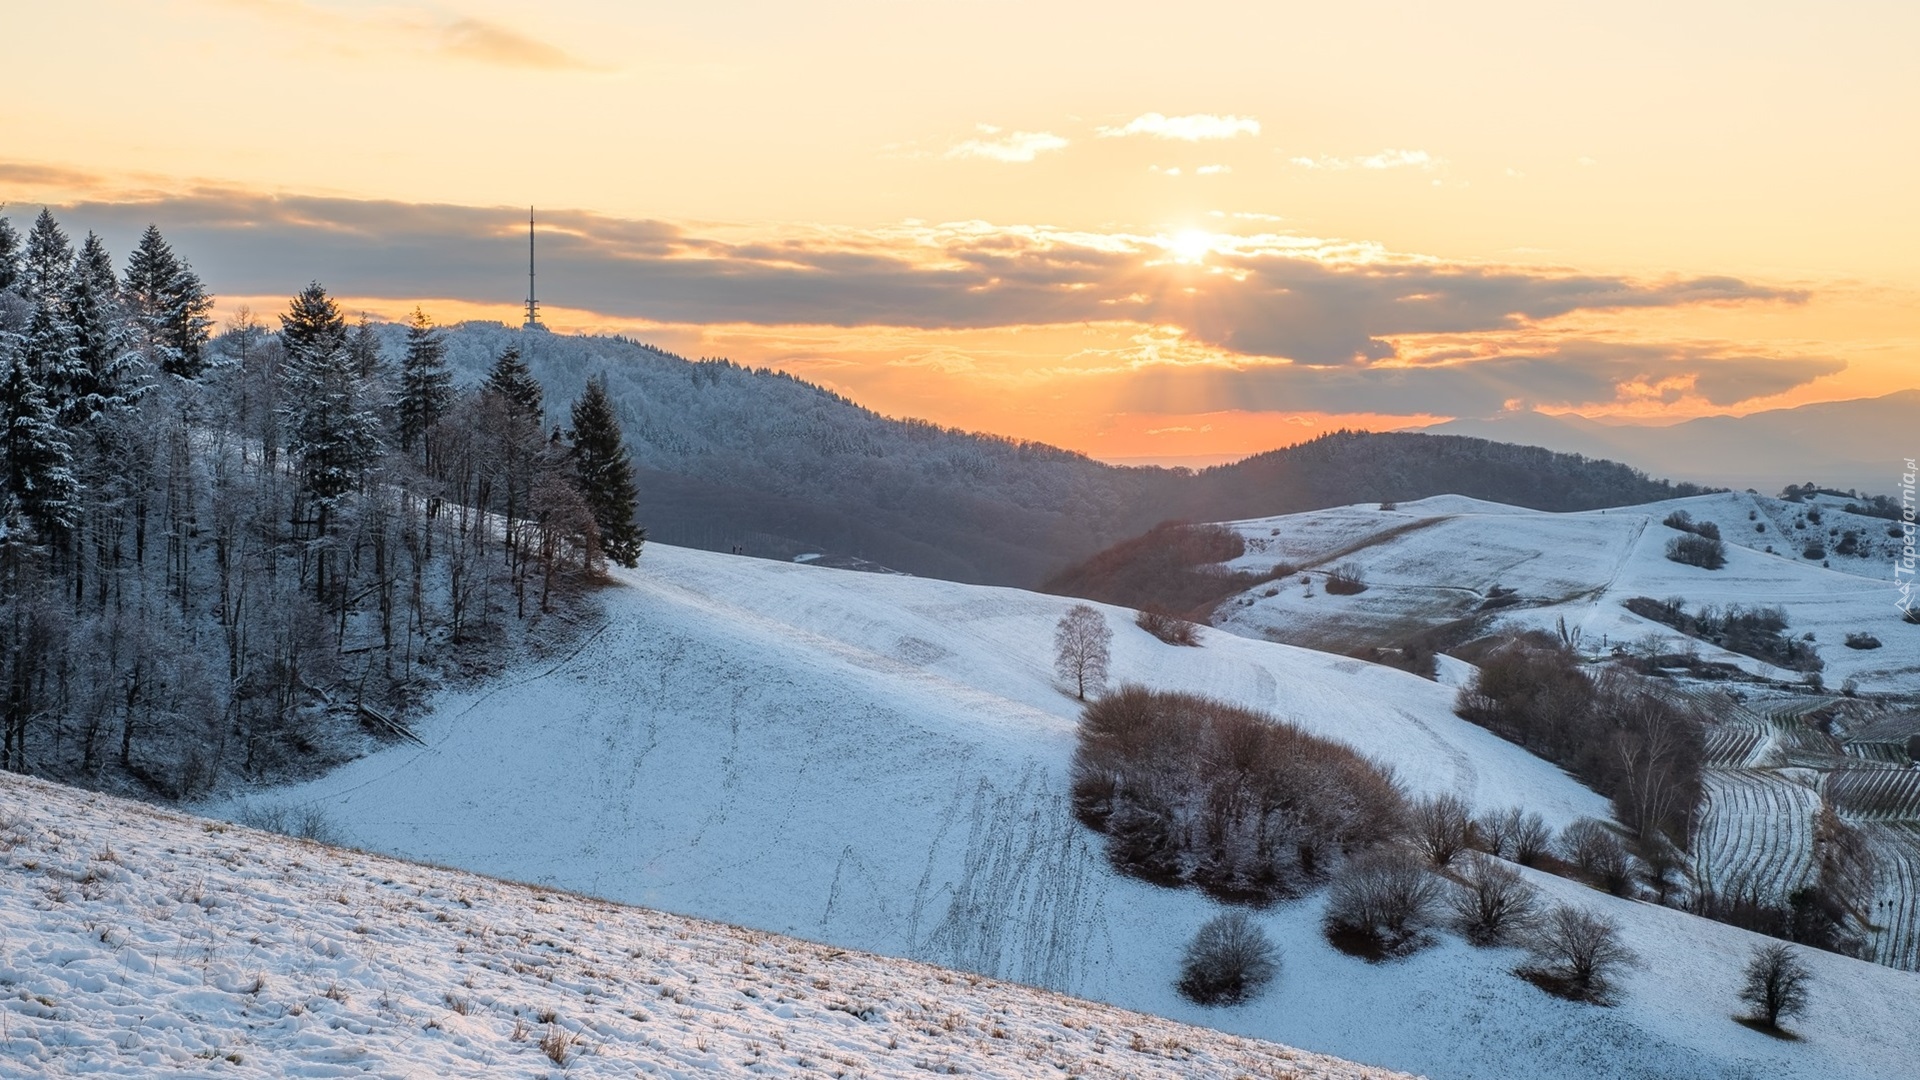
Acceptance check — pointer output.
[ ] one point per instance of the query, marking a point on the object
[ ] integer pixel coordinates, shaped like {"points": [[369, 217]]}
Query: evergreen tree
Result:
{"points": [[363, 346], [38, 461], [49, 259], [604, 474], [331, 426], [169, 307], [9, 256], [426, 386], [514, 382], [51, 348], [103, 368]]}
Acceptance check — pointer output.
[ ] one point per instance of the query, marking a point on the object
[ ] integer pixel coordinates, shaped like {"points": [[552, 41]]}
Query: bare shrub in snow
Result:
{"points": [[1168, 627], [1346, 580], [1080, 649], [1599, 853], [1230, 960], [1576, 954], [1382, 903], [1495, 904], [1442, 826], [302, 822], [1190, 790]]}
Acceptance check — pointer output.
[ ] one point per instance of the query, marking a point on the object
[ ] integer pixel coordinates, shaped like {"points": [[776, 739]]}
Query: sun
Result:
{"points": [[1190, 245]]}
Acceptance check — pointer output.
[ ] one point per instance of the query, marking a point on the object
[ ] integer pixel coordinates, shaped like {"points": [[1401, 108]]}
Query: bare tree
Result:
{"points": [[1080, 649], [1579, 952], [1229, 960], [1776, 983], [1496, 904], [1530, 837], [1600, 854], [1442, 826]]}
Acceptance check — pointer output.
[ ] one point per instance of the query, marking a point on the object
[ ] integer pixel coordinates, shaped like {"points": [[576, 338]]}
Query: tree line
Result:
{"points": [[234, 555]]}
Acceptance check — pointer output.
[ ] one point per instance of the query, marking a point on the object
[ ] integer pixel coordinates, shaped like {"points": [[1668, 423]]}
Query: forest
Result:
{"points": [[244, 557]]}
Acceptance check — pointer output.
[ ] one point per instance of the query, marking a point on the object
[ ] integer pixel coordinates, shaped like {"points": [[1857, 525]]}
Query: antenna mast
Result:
{"points": [[533, 305]]}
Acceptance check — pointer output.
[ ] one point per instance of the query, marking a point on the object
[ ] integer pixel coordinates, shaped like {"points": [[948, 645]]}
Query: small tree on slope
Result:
{"points": [[605, 475], [1776, 983], [1080, 649]]}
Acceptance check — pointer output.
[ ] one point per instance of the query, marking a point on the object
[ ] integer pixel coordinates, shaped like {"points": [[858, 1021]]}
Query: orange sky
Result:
{"points": [[1195, 230]]}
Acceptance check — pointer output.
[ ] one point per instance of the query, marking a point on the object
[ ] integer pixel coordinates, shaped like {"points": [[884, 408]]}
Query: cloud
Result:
{"points": [[1010, 146], [1385, 159], [1194, 127], [418, 29], [1571, 375], [30, 174], [1351, 318]]}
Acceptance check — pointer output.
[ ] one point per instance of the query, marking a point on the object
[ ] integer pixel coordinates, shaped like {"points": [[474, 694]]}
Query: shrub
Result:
{"points": [[1708, 553], [1599, 853], [1679, 519], [1168, 627], [1532, 839], [1381, 903], [1862, 640], [1775, 983], [1815, 550], [1230, 960], [1442, 826], [1346, 580], [1495, 903], [1576, 954], [1190, 790], [301, 822]]}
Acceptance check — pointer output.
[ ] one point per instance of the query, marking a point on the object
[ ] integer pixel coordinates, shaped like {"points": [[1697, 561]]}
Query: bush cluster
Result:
{"points": [[1627, 742], [1190, 790], [1167, 626]]}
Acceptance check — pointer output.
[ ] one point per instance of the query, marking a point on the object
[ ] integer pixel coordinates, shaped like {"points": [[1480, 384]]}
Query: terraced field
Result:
{"points": [[1756, 834], [1895, 914]]}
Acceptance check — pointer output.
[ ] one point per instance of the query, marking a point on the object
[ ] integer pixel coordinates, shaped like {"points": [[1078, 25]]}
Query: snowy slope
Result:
{"points": [[879, 763], [1440, 559], [144, 943]]}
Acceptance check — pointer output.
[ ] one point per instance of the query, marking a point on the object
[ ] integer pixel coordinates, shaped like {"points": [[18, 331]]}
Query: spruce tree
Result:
{"points": [[514, 382], [426, 386], [103, 372], [38, 461], [169, 307], [604, 474], [9, 256], [332, 426], [363, 345], [48, 261]]}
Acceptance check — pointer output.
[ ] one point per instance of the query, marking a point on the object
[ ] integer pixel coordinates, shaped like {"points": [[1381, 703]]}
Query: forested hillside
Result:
{"points": [[729, 456], [244, 557]]}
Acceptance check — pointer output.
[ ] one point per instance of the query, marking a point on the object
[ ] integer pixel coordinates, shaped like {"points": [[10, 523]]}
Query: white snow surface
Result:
{"points": [[1439, 558], [145, 943], [879, 763]]}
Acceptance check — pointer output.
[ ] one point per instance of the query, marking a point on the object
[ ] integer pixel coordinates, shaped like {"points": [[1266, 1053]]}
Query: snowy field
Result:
{"points": [[878, 763], [1441, 558], [143, 943]]}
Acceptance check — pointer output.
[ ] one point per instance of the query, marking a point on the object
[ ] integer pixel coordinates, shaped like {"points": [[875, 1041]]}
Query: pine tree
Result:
{"points": [[331, 425], [103, 374], [38, 461], [363, 346], [9, 256], [514, 382], [426, 386], [604, 474], [169, 307], [49, 259], [50, 349]]}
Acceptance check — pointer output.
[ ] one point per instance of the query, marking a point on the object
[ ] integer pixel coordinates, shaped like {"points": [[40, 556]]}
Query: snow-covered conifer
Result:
{"points": [[426, 386], [605, 474]]}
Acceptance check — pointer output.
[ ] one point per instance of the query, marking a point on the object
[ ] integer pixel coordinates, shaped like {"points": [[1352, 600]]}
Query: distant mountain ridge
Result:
{"points": [[1859, 443], [731, 457]]}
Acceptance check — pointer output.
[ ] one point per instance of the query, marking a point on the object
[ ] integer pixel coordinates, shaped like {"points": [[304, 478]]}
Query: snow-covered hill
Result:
{"points": [[879, 763], [145, 943], [1441, 558]]}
